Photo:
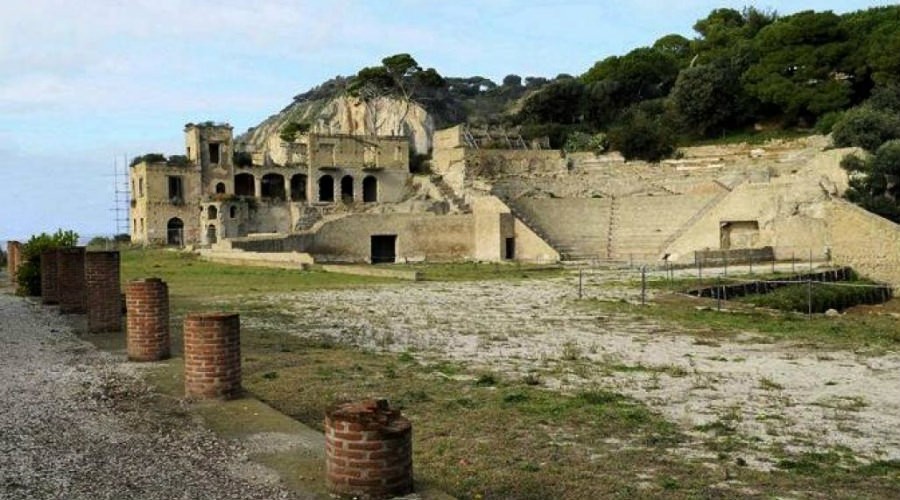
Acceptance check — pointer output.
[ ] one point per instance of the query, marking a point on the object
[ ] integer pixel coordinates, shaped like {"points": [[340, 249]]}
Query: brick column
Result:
{"points": [[104, 307], [147, 305], [70, 280], [368, 450], [13, 259], [49, 279], [212, 355]]}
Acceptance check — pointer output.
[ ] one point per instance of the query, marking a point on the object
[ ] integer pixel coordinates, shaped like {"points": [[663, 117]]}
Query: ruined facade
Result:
{"points": [[208, 196]]}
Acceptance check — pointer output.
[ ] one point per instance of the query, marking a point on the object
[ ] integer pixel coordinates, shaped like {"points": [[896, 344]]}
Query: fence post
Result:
{"points": [[643, 285], [810, 259], [699, 272], [726, 263], [793, 262], [580, 283], [718, 293], [809, 298]]}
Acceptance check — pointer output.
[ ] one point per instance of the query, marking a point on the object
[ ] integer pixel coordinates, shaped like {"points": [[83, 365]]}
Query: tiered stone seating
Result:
{"points": [[578, 228], [642, 224]]}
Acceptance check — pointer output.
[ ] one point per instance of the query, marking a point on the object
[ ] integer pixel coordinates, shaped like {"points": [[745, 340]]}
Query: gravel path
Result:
{"points": [[75, 423]]}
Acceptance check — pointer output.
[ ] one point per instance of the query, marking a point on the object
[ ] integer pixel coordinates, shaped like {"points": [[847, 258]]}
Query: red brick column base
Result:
{"points": [[13, 259], [49, 278], [147, 304], [368, 450], [70, 280], [104, 307], [212, 355]]}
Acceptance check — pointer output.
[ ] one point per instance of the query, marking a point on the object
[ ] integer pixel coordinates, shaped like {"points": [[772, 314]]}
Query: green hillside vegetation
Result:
{"points": [[743, 74]]}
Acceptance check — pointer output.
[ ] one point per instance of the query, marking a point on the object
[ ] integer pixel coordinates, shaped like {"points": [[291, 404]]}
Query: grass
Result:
{"points": [[751, 136], [874, 333], [481, 434]]}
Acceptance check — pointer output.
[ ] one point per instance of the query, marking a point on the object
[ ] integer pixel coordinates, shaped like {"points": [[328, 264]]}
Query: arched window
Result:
{"points": [[233, 212], [175, 232], [326, 188], [370, 189], [212, 213], [244, 185], [220, 188], [272, 186], [298, 187], [347, 189]]}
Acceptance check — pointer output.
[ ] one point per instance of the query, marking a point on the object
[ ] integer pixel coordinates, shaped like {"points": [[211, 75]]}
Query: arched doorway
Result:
{"points": [[272, 186], [370, 189], [175, 232], [326, 188], [220, 188], [212, 213], [347, 189], [244, 185], [211, 236], [298, 187]]}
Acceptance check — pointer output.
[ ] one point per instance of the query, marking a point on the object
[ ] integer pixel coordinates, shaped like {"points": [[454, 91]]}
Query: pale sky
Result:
{"points": [[84, 83]]}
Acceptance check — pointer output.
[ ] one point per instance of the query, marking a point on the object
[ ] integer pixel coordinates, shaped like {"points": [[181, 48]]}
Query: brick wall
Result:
{"points": [[104, 307], [147, 303], [13, 259], [212, 355], [49, 279], [70, 280], [368, 449]]}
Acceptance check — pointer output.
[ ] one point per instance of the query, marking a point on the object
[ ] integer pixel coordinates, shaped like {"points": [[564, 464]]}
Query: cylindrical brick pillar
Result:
{"points": [[147, 305], [49, 279], [212, 355], [101, 277], [368, 451], [13, 259], [70, 280]]}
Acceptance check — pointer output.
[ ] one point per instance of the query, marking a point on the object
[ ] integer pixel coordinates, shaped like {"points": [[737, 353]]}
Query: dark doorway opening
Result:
{"points": [[298, 187], [384, 249], [347, 189], [509, 250], [175, 232], [272, 187], [220, 188], [211, 236], [244, 185], [326, 188], [370, 189]]}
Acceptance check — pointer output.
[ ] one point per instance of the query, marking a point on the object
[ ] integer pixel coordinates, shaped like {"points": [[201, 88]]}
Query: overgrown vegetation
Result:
{"points": [[29, 274], [820, 297]]}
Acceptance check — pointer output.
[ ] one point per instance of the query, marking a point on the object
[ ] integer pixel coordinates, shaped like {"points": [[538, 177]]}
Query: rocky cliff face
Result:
{"points": [[345, 115]]}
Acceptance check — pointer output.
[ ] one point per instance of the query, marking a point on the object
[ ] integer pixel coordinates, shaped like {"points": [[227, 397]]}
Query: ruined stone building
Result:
{"points": [[344, 193]]}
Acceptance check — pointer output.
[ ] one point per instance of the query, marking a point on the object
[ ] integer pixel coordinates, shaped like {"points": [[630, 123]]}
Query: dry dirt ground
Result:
{"points": [[76, 423], [776, 395]]}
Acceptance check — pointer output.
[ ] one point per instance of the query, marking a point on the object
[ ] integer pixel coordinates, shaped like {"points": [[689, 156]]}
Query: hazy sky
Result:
{"points": [[85, 82]]}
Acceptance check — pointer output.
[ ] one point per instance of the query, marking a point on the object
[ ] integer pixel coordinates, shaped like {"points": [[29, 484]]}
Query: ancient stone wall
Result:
{"points": [[864, 241], [212, 355], [419, 237], [104, 292]]}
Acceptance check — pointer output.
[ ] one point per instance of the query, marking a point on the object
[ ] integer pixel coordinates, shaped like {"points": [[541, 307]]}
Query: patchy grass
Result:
{"points": [[480, 434], [874, 333]]}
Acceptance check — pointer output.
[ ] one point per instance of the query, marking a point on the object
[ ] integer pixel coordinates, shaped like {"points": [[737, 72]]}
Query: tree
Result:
{"points": [[798, 71], [558, 102], [865, 127], [641, 74], [399, 76], [876, 183], [709, 98], [676, 46], [643, 134], [512, 81], [29, 275]]}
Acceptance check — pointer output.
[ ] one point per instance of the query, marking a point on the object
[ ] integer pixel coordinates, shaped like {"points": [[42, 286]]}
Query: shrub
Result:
{"points": [[149, 158], [29, 276], [826, 122], [291, 129], [865, 127], [642, 137], [580, 141]]}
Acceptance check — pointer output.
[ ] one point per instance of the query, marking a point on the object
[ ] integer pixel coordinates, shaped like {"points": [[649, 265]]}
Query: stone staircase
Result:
{"points": [[576, 228], [450, 195]]}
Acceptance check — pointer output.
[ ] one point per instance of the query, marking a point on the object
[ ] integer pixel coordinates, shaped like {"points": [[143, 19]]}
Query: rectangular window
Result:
{"points": [[176, 190], [214, 152], [141, 187]]}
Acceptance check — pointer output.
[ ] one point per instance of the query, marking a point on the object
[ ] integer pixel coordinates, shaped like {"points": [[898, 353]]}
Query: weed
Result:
{"points": [[769, 384], [570, 351]]}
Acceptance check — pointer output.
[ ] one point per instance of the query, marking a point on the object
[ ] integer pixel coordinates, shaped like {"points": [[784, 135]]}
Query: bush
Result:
{"points": [[824, 296], [149, 158], [580, 141], [291, 129], [642, 137], [865, 127], [826, 122], [29, 275]]}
